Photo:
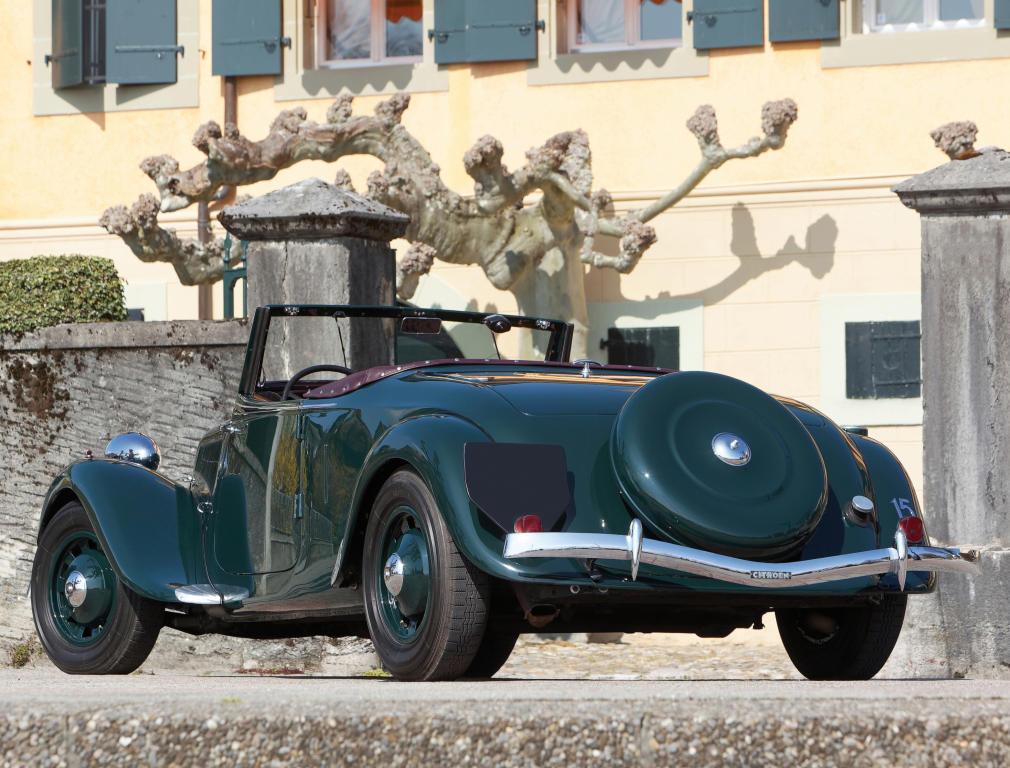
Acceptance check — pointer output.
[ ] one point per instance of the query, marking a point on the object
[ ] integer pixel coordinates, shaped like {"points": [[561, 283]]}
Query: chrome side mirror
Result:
{"points": [[134, 447]]}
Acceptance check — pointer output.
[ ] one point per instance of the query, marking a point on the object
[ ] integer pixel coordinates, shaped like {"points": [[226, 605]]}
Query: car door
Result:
{"points": [[256, 527], [336, 445]]}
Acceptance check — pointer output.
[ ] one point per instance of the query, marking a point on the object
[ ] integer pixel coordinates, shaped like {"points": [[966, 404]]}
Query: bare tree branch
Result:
{"points": [[955, 139], [195, 262], [561, 167], [776, 117], [343, 180], [536, 251], [416, 261], [636, 238]]}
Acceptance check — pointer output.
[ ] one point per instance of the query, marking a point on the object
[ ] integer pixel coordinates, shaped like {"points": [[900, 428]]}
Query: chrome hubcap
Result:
{"points": [[392, 574], [82, 589], [404, 575], [731, 449], [76, 589]]}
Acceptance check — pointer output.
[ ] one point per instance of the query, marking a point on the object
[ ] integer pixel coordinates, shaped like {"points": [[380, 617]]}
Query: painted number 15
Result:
{"points": [[903, 505]]}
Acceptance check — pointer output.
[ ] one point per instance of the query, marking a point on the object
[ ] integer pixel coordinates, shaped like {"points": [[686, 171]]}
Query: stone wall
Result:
{"points": [[962, 630], [68, 389], [71, 388]]}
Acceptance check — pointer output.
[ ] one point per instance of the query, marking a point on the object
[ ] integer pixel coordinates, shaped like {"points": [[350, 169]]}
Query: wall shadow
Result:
{"points": [[817, 255]]}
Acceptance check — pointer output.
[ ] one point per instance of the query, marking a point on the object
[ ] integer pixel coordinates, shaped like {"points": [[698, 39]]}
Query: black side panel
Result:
{"points": [[510, 480]]}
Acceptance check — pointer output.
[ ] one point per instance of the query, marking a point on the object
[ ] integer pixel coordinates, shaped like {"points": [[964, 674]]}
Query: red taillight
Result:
{"points": [[912, 528], [529, 524]]}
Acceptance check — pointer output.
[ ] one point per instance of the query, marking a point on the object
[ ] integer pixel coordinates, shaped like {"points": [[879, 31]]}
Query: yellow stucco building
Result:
{"points": [[761, 269]]}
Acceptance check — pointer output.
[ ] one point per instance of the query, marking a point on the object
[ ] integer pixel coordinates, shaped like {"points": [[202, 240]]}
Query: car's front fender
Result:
{"points": [[148, 526], [433, 446]]}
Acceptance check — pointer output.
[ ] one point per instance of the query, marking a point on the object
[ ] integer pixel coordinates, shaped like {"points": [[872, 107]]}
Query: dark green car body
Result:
{"points": [[275, 517]]}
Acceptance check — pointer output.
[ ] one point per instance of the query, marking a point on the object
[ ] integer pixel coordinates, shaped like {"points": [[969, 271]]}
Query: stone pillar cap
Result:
{"points": [[313, 209], [978, 184]]}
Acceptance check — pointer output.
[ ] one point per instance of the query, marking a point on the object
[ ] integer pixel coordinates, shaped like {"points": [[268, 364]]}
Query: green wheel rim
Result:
{"points": [[406, 611], [81, 621]]}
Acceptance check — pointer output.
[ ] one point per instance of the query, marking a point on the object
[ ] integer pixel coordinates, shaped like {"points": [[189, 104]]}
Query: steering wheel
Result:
{"points": [[312, 369]]}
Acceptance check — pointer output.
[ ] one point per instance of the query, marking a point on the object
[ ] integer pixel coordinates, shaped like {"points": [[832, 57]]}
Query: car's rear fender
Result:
{"points": [[433, 446], [894, 498], [148, 526]]}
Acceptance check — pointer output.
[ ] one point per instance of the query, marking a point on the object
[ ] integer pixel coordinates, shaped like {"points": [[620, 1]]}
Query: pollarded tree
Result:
{"points": [[535, 251]]}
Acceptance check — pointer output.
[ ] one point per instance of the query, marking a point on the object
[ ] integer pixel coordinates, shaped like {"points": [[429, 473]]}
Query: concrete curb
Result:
{"points": [[613, 733]]}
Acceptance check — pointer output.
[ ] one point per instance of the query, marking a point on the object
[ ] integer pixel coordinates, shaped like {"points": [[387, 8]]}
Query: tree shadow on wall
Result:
{"points": [[817, 255]]}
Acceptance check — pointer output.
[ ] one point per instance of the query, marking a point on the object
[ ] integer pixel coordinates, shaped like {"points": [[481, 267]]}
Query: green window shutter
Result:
{"points": [[803, 20], [648, 347], [449, 32], [140, 42], [1001, 17], [485, 30], [727, 23], [501, 31], [882, 360], [66, 58], [246, 37]]}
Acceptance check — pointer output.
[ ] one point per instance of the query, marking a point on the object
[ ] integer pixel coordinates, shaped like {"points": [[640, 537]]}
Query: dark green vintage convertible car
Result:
{"points": [[444, 500]]}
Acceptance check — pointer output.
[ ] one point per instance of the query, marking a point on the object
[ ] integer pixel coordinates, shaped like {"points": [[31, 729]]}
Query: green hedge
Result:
{"points": [[49, 290]]}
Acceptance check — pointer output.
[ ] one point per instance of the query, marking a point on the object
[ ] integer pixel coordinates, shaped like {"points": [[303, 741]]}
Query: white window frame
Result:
{"points": [[931, 21], [632, 32], [836, 311], [378, 41]]}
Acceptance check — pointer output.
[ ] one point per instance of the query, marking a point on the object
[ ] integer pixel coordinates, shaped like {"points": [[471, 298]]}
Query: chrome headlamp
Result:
{"points": [[135, 447]]}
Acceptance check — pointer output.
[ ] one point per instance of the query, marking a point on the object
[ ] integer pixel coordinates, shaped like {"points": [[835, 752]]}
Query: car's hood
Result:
{"points": [[558, 394]]}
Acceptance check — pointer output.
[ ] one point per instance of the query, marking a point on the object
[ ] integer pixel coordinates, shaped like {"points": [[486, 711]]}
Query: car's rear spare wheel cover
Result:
{"points": [[712, 462]]}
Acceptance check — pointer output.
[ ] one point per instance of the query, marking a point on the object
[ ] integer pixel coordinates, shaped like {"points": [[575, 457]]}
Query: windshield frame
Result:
{"points": [[559, 346]]}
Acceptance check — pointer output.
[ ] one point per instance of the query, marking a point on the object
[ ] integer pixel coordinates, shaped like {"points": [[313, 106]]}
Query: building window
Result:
{"points": [[607, 25], [882, 360], [648, 347], [356, 32], [917, 15]]}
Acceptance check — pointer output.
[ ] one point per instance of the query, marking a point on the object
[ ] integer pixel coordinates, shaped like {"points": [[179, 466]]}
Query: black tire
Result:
{"points": [[842, 643], [128, 632], [493, 652], [450, 630]]}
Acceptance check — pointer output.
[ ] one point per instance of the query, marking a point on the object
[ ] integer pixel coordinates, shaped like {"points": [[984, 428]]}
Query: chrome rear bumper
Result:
{"points": [[898, 559]]}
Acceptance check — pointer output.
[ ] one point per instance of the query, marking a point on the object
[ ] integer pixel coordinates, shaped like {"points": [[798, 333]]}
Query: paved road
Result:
{"points": [[275, 722], [44, 687]]}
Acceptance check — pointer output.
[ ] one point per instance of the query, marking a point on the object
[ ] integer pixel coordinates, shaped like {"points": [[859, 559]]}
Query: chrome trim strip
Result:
{"points": [[898, 559], [206, 594]]}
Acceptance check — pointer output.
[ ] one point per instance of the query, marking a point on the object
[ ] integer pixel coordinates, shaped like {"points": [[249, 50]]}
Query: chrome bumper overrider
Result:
{"points": [[898, 559]]}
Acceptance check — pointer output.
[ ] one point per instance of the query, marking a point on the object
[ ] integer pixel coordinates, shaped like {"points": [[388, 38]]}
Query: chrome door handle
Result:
{"points": [[232, 429]]}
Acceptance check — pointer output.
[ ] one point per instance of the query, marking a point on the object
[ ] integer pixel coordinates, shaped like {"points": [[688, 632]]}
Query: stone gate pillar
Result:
{"points": [[314, 243], [963, 630]]}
